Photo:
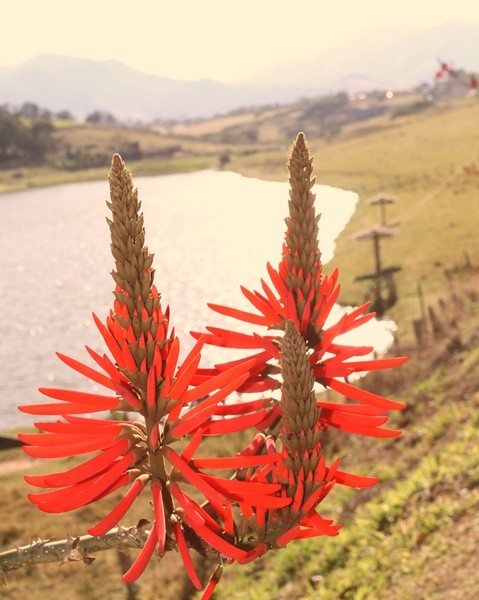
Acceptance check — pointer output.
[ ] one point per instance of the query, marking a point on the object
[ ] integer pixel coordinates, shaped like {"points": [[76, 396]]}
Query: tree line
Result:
{"points": [[27, 134]]}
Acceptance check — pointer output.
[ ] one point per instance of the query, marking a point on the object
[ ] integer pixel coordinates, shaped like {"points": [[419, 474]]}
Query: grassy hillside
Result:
{"points": [[415, 535], [420, 159]]}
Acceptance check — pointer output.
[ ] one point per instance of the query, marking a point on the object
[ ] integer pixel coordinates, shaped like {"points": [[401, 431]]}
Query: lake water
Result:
{"points": [[210, 232]]}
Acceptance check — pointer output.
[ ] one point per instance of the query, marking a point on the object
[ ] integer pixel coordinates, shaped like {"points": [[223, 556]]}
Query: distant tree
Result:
{"points": [[12, 136], [130, 150], [64, 115], [30, 110], [20, 142], [39, 141], [99, 117]]}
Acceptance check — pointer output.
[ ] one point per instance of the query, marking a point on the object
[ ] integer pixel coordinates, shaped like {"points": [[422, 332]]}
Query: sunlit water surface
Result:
{"points": [[210, 232]]}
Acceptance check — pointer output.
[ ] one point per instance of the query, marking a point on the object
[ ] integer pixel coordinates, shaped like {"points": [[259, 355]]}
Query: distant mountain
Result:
{"points": [[83, 86], [390, 58]]}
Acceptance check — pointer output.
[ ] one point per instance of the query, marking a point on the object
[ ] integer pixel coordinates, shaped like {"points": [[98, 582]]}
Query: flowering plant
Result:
{"points": [[280, 477]]}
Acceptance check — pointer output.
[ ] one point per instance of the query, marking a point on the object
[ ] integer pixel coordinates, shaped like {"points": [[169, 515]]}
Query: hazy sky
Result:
{"points": [[193, 39]]}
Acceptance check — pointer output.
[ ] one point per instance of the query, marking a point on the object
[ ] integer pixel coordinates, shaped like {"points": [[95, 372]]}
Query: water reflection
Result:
{"points": [[210, 232]]}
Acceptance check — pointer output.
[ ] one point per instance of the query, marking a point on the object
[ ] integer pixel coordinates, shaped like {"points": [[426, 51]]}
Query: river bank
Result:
{"points": [[23, 178]]}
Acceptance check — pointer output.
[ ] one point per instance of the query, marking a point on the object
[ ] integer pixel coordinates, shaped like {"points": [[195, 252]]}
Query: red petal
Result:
{"points": [[101, 483], [192, 446], [216, 541], [93, 466], [356, 409], [159, 511], [259, 303], [201, 413], [185, 555], [239, 314], [142, 559], [239, 408], [65, 408], [184, 377], [212, 583], [363, 396], [114, 516], [109, 339], [172, 359], [253, 554], [151, 387], [241, 487], [223, 426], [381, 363], [128, 395], [95, 400], [186, 505], [231, 339], [356, 481], [94, 427], [194, 478], [87, 371], [80, 447], [218, 381], [235, 462], [195, 512]]}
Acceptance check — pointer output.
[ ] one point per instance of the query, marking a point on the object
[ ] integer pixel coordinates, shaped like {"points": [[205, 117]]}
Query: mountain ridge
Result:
{"points": [[393, 59]]}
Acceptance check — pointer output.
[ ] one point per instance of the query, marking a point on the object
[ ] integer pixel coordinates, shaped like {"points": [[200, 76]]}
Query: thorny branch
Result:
{"points": [[71, 549]]}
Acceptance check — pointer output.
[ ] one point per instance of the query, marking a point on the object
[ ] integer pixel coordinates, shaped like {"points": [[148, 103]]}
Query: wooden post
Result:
{"points": [[422, 306]]}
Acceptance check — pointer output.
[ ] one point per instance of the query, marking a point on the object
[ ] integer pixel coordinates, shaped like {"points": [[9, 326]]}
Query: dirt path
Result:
{"points": [[15, 464]]}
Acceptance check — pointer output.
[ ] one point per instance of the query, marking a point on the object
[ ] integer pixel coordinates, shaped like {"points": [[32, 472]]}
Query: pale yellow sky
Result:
{"points": [[193, 39]]}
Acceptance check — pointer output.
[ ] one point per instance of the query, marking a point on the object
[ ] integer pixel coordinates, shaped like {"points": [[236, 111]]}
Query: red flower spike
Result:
{"points": [[283, 475]]}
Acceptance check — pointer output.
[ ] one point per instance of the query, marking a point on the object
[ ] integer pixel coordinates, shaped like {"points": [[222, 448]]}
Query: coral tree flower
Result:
{"points": [[301, 292], [141, 374], [280, 478]]}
